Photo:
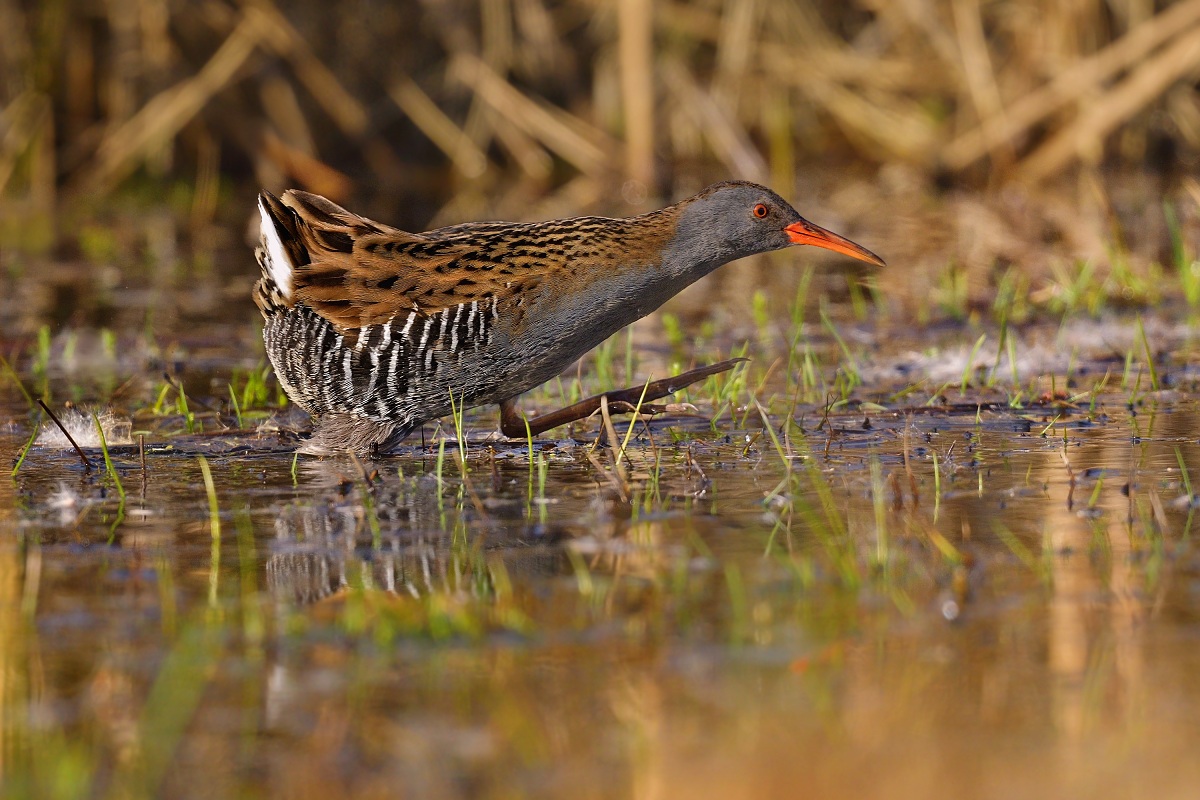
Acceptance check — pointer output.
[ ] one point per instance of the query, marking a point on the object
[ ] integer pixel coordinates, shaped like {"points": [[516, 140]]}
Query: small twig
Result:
{"points": [[611, 433], [87, 465], [650, 436]]}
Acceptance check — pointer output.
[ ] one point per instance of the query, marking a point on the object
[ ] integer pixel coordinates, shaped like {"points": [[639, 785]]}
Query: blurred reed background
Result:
{"points": [[966, 134]]}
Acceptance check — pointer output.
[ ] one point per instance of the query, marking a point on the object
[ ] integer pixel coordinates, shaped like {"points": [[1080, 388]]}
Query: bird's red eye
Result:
{"points": [[760, 211]]}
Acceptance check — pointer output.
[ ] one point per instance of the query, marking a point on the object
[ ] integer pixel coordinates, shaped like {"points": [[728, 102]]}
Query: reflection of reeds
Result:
{"points": [[576, 94]]}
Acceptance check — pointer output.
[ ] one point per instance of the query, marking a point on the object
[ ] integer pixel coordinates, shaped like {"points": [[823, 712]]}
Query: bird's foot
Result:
{"points": [[515, 425]]}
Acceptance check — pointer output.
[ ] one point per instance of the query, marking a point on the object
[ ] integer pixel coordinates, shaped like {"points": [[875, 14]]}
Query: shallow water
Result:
{"points": [[928, 595]]}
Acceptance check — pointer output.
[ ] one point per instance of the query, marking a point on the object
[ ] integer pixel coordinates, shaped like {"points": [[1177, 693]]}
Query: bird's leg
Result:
{"points": [[513, 422]]}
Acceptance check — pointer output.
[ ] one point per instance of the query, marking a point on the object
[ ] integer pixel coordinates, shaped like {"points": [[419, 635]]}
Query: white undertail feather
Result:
{"points": [[278, 262]]}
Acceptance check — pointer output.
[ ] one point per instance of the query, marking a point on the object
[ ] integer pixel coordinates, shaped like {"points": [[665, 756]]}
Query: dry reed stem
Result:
{"points": [[530, 156], [22, 121], [583, 191], [1192, 187], [282, 107], [1077, 81], [923, 16], [546, 124], [469, 160], [980, 76], [885, 123], [688, 20], [305, 169], [208, 180], [167, 112], [635, 42], [1085, 135], [903, 131], [738, 33], [881, 73], [282, 37], [726, 136]]}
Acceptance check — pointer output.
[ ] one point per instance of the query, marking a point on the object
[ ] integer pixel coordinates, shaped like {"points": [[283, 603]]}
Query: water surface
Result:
{"points": [[908, 590]]}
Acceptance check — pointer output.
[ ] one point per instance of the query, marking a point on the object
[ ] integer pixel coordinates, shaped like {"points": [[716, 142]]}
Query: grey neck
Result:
{"points": [[697, 248]]}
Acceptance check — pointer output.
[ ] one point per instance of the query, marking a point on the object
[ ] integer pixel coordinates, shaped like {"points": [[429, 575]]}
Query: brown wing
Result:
{"points": [[356, 272]]}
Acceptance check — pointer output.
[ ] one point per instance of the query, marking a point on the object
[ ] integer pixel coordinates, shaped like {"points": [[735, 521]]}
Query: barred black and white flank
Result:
{"points": [[373, 330]]}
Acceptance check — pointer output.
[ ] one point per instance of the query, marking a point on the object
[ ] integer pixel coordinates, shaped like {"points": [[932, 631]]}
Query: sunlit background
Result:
{"points": [[966, 135]]}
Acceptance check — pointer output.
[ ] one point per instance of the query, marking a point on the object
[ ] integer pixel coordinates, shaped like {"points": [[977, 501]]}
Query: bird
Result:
{"points": [[374, 330]]}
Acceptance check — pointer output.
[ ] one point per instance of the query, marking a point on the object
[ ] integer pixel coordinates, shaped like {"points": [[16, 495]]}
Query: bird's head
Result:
{"points": [[740, 219]]}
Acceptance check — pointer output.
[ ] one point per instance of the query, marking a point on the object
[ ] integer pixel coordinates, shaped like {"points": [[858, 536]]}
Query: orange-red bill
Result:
{"points": [[804, 232]]}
